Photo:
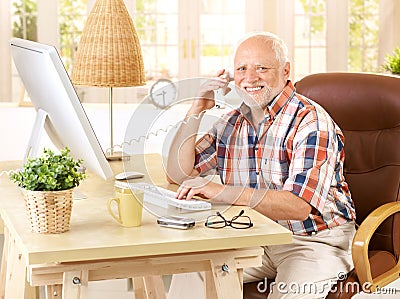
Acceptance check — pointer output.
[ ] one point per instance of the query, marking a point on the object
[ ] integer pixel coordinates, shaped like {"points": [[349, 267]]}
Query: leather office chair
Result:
{"points": [[367, 108]]}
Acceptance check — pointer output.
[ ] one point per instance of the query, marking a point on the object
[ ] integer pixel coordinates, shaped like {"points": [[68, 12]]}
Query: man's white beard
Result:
{"points": [[263, 99]]}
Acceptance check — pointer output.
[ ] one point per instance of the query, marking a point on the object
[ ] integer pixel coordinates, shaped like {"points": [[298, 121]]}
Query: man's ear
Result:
{"points": [[286, 70]]}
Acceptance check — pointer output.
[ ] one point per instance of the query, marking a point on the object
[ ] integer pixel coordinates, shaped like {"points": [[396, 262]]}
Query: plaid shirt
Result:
{"points": [[297, 147]]}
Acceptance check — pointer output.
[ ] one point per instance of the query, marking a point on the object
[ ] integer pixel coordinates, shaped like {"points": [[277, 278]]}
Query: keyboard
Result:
{"points": [[163, 197]]}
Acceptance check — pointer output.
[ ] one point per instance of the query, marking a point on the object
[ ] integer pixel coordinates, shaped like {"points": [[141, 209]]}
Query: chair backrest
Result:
{"points": [[367, 109]]}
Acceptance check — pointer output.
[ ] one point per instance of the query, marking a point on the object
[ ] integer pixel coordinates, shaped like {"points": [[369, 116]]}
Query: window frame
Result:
{"points": [[279, 20]]}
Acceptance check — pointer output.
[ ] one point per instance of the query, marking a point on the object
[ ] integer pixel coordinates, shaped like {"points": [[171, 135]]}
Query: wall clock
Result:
{"points": [[163, 93]]}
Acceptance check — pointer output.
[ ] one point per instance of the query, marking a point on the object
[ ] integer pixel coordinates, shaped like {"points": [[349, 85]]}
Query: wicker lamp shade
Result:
{"points": [[109, 53]]}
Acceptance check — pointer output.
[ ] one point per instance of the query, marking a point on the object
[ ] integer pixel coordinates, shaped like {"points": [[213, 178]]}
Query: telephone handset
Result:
{"points": [[228, 74]]}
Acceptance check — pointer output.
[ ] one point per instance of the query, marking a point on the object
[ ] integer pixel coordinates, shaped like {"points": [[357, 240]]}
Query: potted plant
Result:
{"points": [[392, 62], [48, 182]]}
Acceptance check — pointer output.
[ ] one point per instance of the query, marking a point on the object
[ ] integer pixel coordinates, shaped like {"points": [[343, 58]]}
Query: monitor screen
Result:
{"points": [[57, 104]]}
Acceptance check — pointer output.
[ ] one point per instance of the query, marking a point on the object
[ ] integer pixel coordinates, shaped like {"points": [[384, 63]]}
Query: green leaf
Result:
{"points": [[50, 172], [392, 62]]}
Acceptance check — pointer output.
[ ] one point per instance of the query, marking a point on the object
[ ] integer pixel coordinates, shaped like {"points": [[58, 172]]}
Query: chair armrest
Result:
{"points": [[360, 248]]}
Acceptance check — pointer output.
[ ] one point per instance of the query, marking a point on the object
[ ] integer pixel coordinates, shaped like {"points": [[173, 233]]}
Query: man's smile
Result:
{"points": [[253, 89]]}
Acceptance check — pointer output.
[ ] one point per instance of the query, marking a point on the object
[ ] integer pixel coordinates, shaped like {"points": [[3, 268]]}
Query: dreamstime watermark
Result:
{"points": [[322, 288]]}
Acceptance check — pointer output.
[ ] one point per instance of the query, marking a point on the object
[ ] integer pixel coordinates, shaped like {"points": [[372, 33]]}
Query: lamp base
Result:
{"points": [[114, 156]]}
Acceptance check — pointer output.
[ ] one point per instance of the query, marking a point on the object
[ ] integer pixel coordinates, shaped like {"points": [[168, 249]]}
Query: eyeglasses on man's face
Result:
{"points": [[219, 221]]}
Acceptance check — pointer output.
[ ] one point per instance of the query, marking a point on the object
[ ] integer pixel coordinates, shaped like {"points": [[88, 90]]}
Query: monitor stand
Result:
{"points": [[34, 141], [37, 131]]}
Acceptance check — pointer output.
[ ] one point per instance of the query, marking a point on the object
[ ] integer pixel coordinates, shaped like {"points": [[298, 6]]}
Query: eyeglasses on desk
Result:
{"points": [[239, 221]]}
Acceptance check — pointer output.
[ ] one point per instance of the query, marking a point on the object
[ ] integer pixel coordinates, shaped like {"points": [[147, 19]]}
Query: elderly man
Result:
{"points": [[281, 154]]}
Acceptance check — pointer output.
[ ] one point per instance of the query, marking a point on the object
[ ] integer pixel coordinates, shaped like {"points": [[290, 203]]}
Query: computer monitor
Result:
{"points": [[58, 108]]}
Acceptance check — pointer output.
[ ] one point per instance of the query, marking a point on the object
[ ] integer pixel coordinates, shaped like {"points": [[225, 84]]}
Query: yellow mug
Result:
{"points": [[130, 206]]}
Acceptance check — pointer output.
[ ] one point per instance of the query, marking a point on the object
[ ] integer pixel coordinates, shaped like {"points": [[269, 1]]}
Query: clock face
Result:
{"points": [[163, 93]]}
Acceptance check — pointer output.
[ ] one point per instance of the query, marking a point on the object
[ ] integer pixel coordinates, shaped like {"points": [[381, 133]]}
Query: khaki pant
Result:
{"points": [[306, 268]]}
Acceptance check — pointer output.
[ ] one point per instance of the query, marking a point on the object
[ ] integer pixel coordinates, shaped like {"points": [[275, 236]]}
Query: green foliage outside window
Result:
{"points": [[145, 23], [363, 27], [25, 19], [72, 17], [315, 8], [363, 31], [71, 20], [363, 35]]}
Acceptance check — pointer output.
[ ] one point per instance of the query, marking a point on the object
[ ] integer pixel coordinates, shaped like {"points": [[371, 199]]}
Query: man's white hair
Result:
{"points": [[278, 45]]}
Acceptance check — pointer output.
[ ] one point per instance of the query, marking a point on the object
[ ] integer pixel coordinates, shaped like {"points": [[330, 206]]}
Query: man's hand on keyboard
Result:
{"points": [[217, 193], [198, 186]]}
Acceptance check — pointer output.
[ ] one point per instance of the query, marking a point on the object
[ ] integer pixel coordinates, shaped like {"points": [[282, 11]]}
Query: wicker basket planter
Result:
{"points": [[49, 212]]}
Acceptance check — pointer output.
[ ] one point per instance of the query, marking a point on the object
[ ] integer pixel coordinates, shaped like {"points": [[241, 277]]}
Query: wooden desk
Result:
{"points": [[97, 248]]}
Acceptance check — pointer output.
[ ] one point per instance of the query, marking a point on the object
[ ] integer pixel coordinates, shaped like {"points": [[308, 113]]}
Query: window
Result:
{"points": [[358, 36], [310, 37], [25, 23], [71, 18], [363, 31], [182, 39], [24, 19], [156, 23], [222, 23]]}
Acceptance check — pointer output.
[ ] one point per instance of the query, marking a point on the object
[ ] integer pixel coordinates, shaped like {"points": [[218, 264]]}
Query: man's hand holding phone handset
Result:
{"points": [[205, 95]]}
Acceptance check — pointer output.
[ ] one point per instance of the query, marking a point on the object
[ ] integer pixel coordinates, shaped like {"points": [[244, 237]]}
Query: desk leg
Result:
{"points": [[15, 282], [139, 288], [75, 284], [53, 291], [31, 292], [150, 287], [240, 275], [4, 259], [13, 272], [155, 287], [210, 291], [226, 278]]}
